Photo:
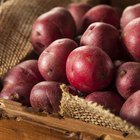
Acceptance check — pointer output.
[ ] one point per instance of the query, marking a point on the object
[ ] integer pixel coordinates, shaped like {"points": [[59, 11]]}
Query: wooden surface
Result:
{"points": [[26, 124]]}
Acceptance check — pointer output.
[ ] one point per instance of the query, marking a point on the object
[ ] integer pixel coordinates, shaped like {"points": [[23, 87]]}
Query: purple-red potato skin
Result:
{"points": [[131, 40], [52, 61], [46, 96], [130, 13], [108, 99], [130, 110], [43, 34], [128, 78], [77, 11], [62, 18], [89, 69], [19, 81], [54, 24], [104, 36], [101, 13]]}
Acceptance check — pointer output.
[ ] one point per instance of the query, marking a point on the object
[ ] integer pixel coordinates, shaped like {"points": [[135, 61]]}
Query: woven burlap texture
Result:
{"points": [[78, 108], [16, 19]]}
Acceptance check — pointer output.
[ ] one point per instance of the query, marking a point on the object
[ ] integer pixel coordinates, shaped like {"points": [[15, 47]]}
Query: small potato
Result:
{"points": [[46, 96], [108, 99], [128, 78], [52, 61], [19, 81]]}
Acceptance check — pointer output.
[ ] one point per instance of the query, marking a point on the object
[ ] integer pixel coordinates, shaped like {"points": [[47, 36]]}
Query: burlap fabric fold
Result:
{"points": [[16, 19]]}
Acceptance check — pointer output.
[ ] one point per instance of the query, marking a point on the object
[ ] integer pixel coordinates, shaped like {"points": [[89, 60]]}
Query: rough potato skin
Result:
{"points": [[130, 37], [128, 78], [52, 61], [19, 81], [89, 69], [46, 96], [130, 110]]}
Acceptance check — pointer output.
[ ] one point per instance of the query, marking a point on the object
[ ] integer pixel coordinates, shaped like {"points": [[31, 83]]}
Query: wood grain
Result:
{"points": [[30, 124]]}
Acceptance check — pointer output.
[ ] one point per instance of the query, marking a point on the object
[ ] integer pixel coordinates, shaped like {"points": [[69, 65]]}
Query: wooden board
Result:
{"points": [[18, 121]]}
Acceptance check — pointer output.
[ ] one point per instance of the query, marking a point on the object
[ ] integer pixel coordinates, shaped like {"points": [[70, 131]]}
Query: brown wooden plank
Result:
{"points": [[51, 125]]}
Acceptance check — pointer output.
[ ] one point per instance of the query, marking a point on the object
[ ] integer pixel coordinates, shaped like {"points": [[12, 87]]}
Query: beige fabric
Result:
{"points": [[78, 108], [16, 19]]}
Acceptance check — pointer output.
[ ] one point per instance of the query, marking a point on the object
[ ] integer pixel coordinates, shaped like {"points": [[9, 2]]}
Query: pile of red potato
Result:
{"points": [[95, 51]]}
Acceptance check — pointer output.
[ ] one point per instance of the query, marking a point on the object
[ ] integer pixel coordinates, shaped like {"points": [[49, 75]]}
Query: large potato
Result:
{"points": [[52, 61], [19, 81], [89, 69]]}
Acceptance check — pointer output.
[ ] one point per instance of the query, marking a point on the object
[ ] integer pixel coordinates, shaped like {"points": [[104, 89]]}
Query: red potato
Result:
{"points": [[19, 81], [54, 24], [108, 99], [52, 61], [89, 69], [63, 19], [101, 13], [104, 36], [77, 11], [130, 38], [130, 110], [46, 96], [128, 79], [130, 13], [43, 34]]}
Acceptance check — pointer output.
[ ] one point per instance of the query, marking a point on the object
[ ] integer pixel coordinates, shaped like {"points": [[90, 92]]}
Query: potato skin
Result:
{"points": [[54, 24], [52, 61], [89, 69], [101, 13], [46, 96], [19, 81], [130, 38], [43, 34], [77, 11], [128, 78], [130, 13], [104, 36], [108, 99], [130, 110]]}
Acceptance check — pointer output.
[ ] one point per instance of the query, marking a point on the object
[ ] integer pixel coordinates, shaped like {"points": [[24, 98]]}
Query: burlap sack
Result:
{"points": [[16, 19]]}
